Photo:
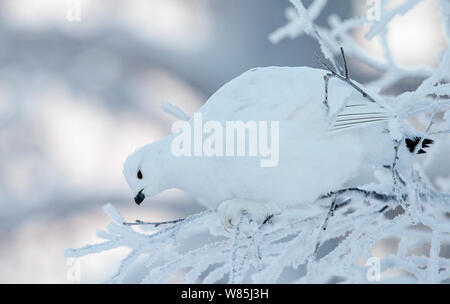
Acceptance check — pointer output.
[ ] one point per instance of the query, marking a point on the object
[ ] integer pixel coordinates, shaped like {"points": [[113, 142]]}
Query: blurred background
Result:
{"points": [[77, 96]]}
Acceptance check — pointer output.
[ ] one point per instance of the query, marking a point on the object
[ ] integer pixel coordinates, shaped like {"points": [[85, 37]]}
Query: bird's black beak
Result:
{"points": [[139, 197]]}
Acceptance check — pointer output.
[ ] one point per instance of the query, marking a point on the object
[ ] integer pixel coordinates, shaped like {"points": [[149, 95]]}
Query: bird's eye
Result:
{"points": [[139, 174]]}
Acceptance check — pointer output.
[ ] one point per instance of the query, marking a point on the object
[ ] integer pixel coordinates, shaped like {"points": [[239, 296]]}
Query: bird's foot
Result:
{"points": [[230, 212]]}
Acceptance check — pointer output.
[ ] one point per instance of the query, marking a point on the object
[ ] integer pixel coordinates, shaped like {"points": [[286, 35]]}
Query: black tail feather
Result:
{"points": [[411, 144]]}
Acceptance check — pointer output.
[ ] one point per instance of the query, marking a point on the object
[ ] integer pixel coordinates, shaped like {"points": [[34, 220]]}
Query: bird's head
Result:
{"points": [[142, 172]]}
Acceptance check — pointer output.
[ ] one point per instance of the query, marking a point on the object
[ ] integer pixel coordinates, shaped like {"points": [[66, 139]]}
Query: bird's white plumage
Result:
{"points": [[311, 162]]}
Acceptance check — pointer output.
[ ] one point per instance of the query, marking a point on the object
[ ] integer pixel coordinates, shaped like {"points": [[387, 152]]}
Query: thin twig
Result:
{"points": [[330, 213], [348, 80], [325, 102], [396, 175], [367, 194], [440, 132], [156, 224], [345, 63]]}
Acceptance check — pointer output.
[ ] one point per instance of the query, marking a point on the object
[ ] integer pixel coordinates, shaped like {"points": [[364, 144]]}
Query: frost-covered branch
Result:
{"points": [[261, 254], [155, 224]]}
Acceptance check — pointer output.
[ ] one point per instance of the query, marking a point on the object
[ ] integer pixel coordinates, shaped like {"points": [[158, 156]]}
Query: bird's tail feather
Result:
{"points": [[360, 114], [412, 142]]}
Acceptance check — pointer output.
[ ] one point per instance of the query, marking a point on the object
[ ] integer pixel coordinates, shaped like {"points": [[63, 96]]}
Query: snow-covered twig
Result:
{"points": [[263, 253], [156, 224]]}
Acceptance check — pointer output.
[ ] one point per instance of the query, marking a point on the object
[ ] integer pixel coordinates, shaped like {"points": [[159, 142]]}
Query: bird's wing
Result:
{"points": [[291, 94], [270, 93]]}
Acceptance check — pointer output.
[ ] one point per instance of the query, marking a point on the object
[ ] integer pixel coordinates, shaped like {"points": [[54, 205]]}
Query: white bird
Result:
{"points": [[314, 156]]}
